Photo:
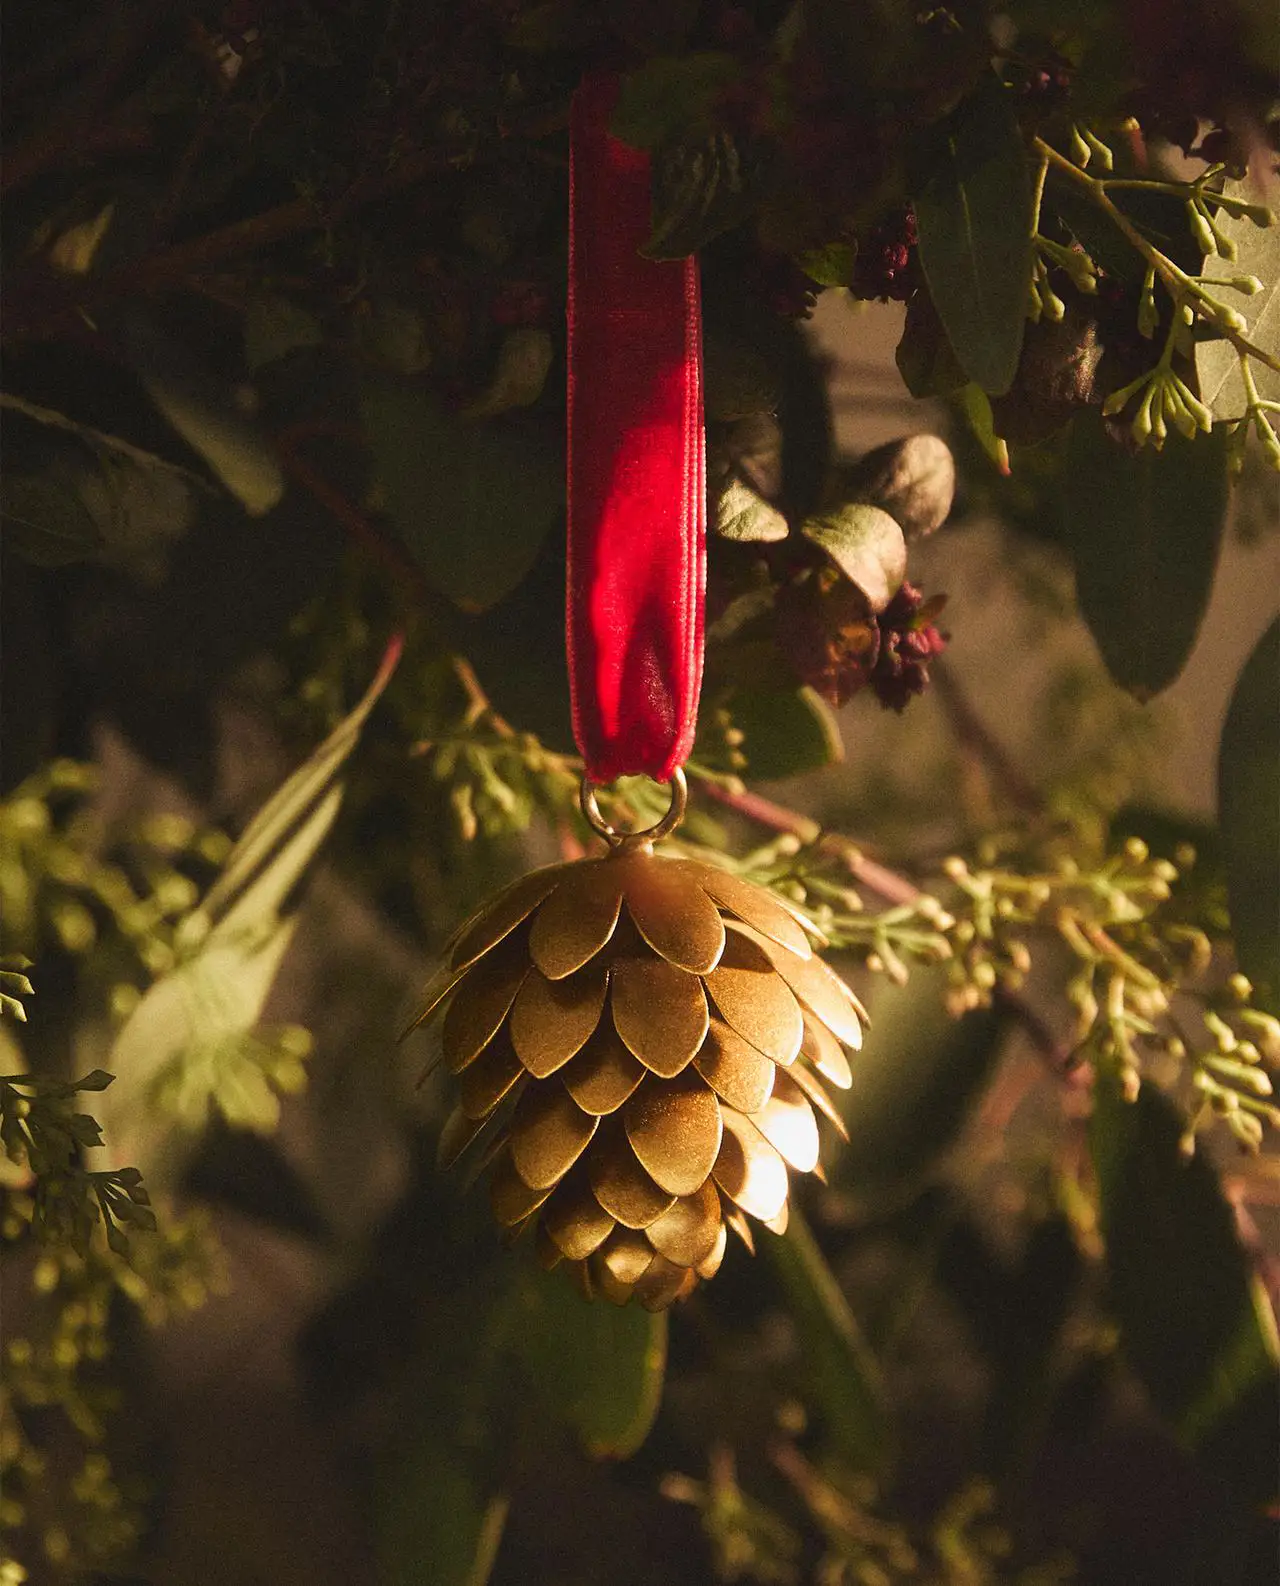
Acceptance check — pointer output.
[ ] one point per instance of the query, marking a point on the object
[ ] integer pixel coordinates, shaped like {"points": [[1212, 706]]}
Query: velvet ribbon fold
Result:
{"points": [[636, 467]]}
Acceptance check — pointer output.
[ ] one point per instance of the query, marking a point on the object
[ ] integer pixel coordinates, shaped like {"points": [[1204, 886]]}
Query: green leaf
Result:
{"points": [[829, 266], [1249, 816], [1144, 533], [204, 414], [975, 404], [1257, 254], [839, 1370], [701, 188], [866, 544], [785, 732], [524, 361], [973, 209], [925, 358], [601, 1367], [472, 502], [1195, 1323], [430, 1514], [916, 1081], [188, 1036], [670, 95], [275, 327], [744, 516], [45, 519]]}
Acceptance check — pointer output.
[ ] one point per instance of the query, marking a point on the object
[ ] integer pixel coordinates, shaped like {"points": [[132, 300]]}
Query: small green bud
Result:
{"points": [[1203, 233], [1104, 156]]}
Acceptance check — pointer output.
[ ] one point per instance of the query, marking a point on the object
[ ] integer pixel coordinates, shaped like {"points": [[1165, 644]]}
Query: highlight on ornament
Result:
{"points": [[643, 1042]]}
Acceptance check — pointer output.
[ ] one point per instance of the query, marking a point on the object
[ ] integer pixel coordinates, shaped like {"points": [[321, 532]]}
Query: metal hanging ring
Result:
{"points": [[651, 834]]}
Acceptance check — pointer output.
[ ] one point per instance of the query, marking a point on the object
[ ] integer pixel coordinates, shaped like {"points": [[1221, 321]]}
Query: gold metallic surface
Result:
{"points": [[820, 989], [627, 1031], [625, 1254], [710, 1263], [500, 917], [737, 1221], [575, 1219], [675, 1131], [510, 1197], [826, 1054], [481, 1002], [621, 1184], [551, 1020], [754, 1000], [458, 1133], [604, 1073], [663, 1283], [755, 907], [660, 1012], [485, 1082], [778, 1224], [548, 1134], [678, 921], [577, 919], [687, 1232], [786, 1121], [749, 1170], [814, 1090], [646, 838], [734, 1069]]}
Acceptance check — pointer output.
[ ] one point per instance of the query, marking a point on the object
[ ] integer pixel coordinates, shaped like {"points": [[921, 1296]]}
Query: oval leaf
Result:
{"points": [[1144, 533], [973, 211], [917, 1079], [841, 1372], [601, 1366], [1195, 1324], [744, 516], [473, 502], [1249, 815], [1257, 254], [785, 732], [867, 545]]}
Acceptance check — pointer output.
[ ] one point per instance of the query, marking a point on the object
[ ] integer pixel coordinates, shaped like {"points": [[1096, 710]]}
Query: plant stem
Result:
{"points": [[406, 575], [894, 888], [973, 734], [1180, 284]]}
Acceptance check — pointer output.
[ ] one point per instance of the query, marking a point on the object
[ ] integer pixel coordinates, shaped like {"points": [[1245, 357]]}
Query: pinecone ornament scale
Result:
{"points": [[647, 1042]]}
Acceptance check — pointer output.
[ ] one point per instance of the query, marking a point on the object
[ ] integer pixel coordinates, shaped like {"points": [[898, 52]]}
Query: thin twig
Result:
{"points": [[895, 889], [66, 126], [383, 550], [974, 734], [1175, 279]]}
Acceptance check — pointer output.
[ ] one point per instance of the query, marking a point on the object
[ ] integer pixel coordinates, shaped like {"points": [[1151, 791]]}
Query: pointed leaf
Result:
{"points": [[785, 731], [841, 1373], [1249, 815], [473, 502], [915, 1082], [1195, 1322], [1144, 533], [600, 1366], [973, 209]]}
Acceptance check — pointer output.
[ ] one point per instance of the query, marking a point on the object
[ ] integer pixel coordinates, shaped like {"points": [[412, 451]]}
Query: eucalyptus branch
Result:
{"points": [[1182, 287]]}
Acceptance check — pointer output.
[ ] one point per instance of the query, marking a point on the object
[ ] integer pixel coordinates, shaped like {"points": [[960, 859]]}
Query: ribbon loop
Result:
{"points": [[637, 465]]}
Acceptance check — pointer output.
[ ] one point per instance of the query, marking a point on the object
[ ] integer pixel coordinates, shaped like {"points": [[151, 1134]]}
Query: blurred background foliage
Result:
{"points": [[284, 696]]}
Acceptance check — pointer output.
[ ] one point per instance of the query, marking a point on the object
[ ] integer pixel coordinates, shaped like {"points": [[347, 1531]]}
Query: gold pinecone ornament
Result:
{"points": [[645, 1040]]}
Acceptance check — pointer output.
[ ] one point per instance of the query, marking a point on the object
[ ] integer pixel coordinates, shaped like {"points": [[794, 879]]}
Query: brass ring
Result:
{"points": [[679, 786]]}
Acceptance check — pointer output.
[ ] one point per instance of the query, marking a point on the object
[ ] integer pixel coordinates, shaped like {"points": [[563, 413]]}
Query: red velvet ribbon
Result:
{"points": [[637, 465]]}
